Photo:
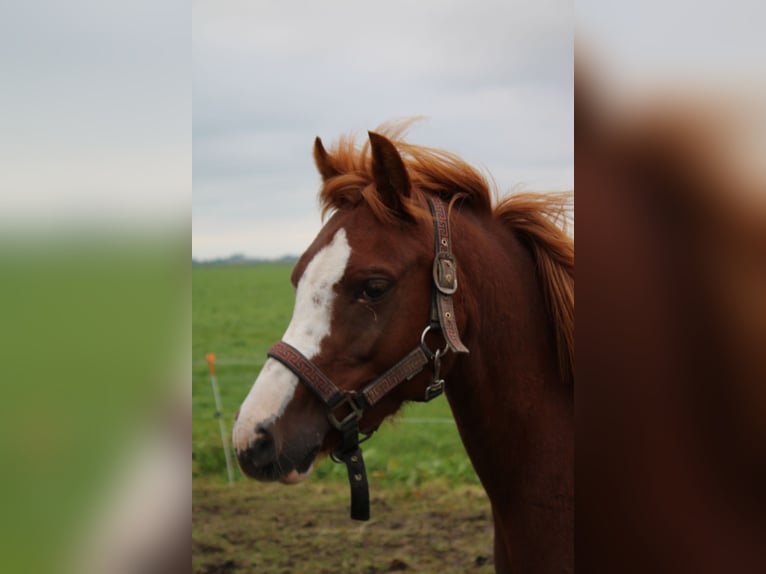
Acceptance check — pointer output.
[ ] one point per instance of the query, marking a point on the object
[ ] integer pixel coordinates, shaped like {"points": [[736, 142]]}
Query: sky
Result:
{"points": [[100, 101], [492, 79], [95, 111], [682, 43]]}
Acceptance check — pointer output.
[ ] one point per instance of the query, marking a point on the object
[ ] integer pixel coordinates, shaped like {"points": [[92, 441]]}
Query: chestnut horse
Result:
{"points": [[414, 238]]}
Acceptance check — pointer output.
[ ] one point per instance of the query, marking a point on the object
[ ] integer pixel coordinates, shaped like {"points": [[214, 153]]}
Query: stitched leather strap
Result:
{"points": [[404, 370], [445, 276], [330, 394], [306, 371]]}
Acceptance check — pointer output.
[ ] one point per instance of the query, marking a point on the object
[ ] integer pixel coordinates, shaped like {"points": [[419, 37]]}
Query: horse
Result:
{"points": [[419, 283]]}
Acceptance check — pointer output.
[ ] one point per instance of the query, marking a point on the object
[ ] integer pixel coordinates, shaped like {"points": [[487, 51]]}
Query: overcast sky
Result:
{"points": [[95, 109], [96, 99], [493, 79]]}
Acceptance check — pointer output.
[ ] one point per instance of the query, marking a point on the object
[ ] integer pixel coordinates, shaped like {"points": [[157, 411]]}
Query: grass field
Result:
{"points": [[238, 312]]}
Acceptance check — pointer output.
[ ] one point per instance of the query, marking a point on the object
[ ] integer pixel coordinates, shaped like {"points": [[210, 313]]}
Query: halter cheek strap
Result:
{"points": [[346, 408], [445, 277]]}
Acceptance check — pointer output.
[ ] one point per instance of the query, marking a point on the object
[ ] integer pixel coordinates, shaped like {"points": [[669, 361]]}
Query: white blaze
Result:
{"points": [[314, 297]]}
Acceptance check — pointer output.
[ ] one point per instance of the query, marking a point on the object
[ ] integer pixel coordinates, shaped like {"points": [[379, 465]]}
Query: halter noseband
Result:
{"points": [[345, 408]]}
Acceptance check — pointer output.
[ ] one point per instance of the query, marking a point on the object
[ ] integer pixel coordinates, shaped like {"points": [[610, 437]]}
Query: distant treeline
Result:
{"points": [[240, 259]]}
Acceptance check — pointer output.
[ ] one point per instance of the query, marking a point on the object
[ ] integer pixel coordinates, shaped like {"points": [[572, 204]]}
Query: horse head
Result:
{"points": [[363, 301]]}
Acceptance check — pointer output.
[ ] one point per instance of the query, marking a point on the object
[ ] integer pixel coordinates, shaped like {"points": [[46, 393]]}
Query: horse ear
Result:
{"points": [[390, 173], [323, 161]]}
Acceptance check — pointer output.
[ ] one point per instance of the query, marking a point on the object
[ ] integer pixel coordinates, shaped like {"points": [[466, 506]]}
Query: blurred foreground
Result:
{"points": [[96, 407], [671, 321], [95, 195]]}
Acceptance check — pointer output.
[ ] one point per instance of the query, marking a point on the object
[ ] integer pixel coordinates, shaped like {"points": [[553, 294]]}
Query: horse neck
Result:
{"points": [[514, 413]]}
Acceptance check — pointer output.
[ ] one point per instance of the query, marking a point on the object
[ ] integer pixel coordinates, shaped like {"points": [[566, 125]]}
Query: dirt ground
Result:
{"points": [[271, 528]]}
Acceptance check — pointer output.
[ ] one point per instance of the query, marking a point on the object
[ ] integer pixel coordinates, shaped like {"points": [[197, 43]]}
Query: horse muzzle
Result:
{"points": [[264, 460]]}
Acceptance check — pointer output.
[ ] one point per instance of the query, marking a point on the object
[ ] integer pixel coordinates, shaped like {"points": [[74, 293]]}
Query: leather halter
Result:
{"points": [[345, 408]]}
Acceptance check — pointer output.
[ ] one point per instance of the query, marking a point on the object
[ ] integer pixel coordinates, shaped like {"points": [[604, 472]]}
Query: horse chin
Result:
{"points": [[275, 473], [294, 477], [302, 469]]}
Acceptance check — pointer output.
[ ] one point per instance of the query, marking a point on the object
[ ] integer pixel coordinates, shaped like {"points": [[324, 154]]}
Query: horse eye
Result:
{"points": [[374, 289]]}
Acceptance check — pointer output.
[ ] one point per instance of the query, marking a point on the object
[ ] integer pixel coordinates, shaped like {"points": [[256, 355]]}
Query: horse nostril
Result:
{"points": [[262, 451]]}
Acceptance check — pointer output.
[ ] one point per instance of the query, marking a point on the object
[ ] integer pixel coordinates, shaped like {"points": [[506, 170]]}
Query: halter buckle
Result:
{"points": [[445, 273], [356, 412]]}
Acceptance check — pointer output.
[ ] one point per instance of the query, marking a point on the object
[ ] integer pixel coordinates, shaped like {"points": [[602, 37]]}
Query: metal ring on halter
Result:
{"points": [[440, 352]]}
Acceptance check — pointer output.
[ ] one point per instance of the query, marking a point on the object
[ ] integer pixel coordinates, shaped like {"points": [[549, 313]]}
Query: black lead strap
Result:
{"points": [[357, 479], [350, 454]]}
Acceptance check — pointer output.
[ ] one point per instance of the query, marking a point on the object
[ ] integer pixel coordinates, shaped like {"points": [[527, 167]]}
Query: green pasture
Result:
{"points": [[238, 312]]}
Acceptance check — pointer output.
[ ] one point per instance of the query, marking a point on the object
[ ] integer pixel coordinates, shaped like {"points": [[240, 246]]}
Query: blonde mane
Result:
{"points": [[539, 219]]}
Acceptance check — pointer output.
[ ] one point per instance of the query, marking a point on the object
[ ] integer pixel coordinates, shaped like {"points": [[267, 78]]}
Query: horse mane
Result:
{"points": [[538, 219], [431, 171], [541, 221]]}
